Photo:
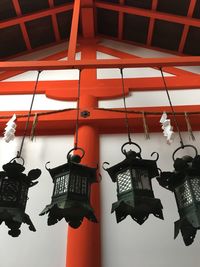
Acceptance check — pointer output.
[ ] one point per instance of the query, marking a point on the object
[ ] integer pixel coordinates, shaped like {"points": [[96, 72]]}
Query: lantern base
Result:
{"points": [[187, 230], [139, 209], [13, 218], [73, 212]]}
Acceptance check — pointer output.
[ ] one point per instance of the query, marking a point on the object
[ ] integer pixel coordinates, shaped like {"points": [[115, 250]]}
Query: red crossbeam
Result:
{"points": [[102, 63]]}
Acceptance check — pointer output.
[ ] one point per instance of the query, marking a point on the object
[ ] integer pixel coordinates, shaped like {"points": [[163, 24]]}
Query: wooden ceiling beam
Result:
{"points": [[36, 15], [186, 27], [150, 14], [54, 22], [74, 31], [151, 23], [101, 63], [22, 25]]}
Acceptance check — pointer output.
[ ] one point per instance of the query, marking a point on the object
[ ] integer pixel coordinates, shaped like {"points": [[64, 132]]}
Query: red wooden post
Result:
{"points": [[84, 247]]}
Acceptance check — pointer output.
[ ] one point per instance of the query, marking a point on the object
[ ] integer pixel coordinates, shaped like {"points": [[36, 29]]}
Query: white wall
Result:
{"points": [[125, 244]]}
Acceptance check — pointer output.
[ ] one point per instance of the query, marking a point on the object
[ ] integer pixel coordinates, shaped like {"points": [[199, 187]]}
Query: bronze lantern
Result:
{"points": [[14, 186], [184, 181], [71, 193], [134, 188]]}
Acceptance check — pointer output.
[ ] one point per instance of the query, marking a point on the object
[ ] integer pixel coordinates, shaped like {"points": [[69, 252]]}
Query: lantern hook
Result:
{"points": [[182, 147], [74, 149], [157, 155], [17, 157], [131, 143], [46, 166], [103, 165]]}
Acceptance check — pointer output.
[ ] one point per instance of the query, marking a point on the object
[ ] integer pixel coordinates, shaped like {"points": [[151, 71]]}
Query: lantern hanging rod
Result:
{"points": [[100, 63]]}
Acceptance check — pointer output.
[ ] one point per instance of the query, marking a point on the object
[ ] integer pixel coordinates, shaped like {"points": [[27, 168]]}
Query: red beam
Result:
{"points": [[74, 31], [22, 25], [186, 27], [87, 18], [8, 74], [54, 22], [150, 14], [106, 121], [37, 15], [124, 55], [104, 89], [120, 22], [151, 23], [102, 63]]}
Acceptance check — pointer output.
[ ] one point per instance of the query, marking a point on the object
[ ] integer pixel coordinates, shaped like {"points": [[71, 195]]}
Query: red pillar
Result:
{"points": [[83, 246]]}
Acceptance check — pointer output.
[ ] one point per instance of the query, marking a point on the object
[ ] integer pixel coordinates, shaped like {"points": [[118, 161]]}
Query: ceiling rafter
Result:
{"points": [[186, 27], [54, 22], [149, 14], [74, 31], [121, 21], [87, 18], [151, 23], [22, 25], [36, 15]]}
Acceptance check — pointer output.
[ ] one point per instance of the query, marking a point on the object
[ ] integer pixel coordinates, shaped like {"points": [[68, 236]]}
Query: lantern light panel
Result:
{"points": [[71, 193], [134, 189]]}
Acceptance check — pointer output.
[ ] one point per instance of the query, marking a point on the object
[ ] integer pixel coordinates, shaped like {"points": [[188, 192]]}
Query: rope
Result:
{"points": [[78, 109], [126, 113], [172, 109], [29, 115]]}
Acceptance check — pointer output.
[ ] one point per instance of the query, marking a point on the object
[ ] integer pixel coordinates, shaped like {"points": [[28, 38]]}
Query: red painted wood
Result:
{"points": [[35, 15], [57, 89], [186, 27], [124, 55], [22, 25], [74, 31], [120, 21], [106, 121], [8, 74], [84, 246], [54, 22], [149, 14], [87, 19], [103, 63], [151, 23]]}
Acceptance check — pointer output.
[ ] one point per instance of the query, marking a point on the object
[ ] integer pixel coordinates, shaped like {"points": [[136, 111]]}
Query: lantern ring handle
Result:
{"points": [[18, 157], [46, 165], [130, 143], [103, 165], [74, 149], [157, 155], [182, 147]]}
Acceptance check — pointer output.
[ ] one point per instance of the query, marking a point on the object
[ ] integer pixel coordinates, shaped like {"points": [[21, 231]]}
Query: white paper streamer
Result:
{"points": [[167, 128], [10, 129]]}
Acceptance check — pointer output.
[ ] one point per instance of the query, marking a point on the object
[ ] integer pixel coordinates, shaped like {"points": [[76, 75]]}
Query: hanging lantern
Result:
{"points": [[14, 186], [71, 193], [184, 181], [134, 189]]}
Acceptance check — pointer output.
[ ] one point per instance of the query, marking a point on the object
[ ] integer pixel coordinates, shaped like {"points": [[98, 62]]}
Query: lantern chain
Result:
{"points": [[172, 109], [126, 113], [78, 109], [29, 115]]}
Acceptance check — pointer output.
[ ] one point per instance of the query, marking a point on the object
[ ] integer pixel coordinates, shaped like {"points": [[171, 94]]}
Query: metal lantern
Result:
{"points": [[14, 186], [71, 193], [184, 181], [134, 189]]}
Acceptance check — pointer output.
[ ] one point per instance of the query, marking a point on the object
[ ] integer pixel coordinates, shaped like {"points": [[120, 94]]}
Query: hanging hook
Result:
{"points": [[131, 143], [182, 147]]}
